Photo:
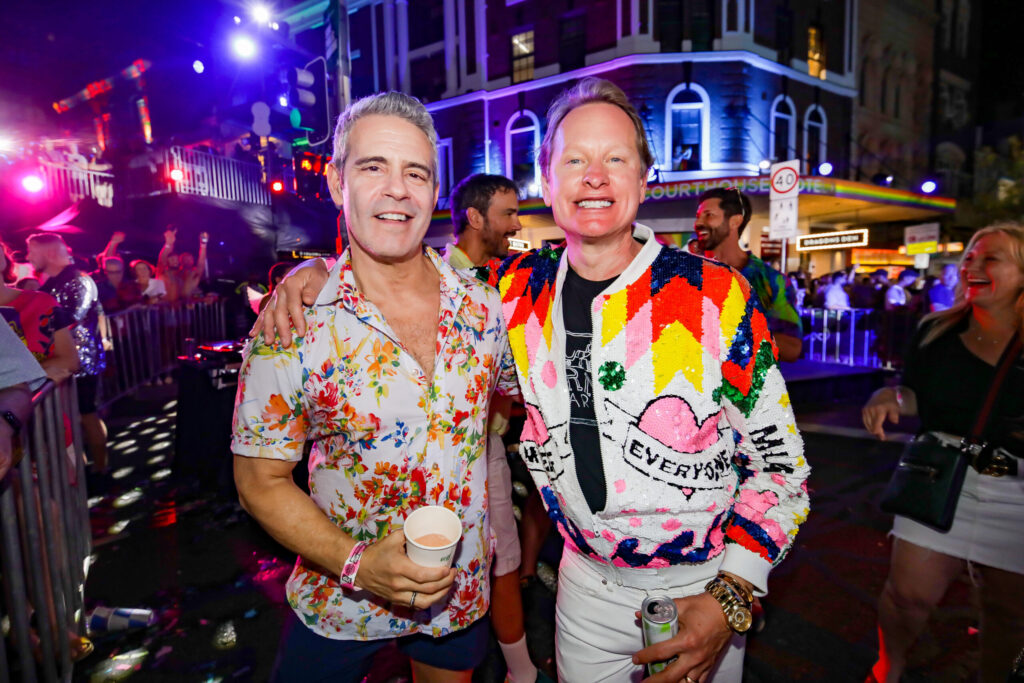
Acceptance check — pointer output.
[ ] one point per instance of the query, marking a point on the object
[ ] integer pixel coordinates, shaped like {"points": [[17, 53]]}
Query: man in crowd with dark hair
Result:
{"points": [[836, 296], [116, 292], [76, 292], [485, 214], [722, 216], [943, 293], [899, 296]]}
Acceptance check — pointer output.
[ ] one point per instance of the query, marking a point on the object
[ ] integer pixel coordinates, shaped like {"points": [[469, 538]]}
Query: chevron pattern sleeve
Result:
{"points": [[771, 500]]}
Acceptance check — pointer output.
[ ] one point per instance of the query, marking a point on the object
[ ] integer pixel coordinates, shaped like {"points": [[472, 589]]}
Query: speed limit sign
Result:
{"points": [[785, 179]]}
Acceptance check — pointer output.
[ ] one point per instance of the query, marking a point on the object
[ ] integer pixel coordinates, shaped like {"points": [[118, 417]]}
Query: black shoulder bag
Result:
{"points": [[926, 484]]}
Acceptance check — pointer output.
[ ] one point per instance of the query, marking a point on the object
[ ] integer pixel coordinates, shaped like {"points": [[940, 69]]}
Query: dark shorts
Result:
{"points": [[305, 656], [88, 387]]}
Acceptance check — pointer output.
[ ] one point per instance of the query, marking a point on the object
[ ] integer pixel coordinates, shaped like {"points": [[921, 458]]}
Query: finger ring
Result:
{"points": [[412, 600], [688, 679]]}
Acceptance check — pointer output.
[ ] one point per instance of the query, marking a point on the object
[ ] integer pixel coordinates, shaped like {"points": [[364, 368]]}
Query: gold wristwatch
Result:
{"points": [[737, 611]]}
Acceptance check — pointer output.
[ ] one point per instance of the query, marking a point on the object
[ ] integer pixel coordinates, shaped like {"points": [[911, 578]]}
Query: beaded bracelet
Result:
{"points": [[351, 566]]}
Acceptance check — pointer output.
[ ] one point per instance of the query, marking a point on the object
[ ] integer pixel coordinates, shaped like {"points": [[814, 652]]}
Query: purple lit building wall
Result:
{"points": [[722, 85]]}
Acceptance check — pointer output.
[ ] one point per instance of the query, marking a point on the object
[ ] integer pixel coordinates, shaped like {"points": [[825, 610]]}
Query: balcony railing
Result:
{"points": [[209, 175], [67, 181]]}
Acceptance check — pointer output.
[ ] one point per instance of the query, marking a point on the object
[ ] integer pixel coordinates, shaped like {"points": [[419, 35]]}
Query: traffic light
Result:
{"points": [[309, 168], [308, 96]]}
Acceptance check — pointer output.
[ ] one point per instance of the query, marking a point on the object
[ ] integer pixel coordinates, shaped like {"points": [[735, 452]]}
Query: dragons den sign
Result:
{"points": [[843, 239]]}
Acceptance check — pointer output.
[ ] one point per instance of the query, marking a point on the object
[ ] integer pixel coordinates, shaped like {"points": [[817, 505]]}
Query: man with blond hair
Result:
{"points": [[659, 430]]}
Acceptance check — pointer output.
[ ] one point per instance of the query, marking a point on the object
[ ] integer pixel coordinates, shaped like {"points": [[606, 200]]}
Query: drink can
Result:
{"points": [[103, 619], [659, 621]]}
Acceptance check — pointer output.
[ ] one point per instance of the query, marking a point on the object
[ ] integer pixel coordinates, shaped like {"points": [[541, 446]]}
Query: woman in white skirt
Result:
{"points": [[946, 377]]}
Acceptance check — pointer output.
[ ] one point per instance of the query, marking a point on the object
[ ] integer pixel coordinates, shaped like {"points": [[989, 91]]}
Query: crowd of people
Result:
{"points": [[910, 291], [640, 366], [658, 430], [60, 311]]}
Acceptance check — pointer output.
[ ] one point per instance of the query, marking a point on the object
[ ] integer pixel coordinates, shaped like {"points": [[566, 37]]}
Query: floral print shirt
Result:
{"points": [[386, 439]]}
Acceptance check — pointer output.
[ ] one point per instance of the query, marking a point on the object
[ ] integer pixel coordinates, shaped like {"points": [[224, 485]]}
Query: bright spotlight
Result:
{"points": [[261, 14], [177, 175], [533, 189], [929, 186], [32, 183], [6, 144], [274, 25], [888, 179], [238, 20], [764, 165], [277, 186], [243, 46], [825, 168], [198, 66], [282, 100]]}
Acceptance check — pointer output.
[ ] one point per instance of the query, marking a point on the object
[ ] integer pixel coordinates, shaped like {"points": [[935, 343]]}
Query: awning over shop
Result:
{"points": [[823, 200]]}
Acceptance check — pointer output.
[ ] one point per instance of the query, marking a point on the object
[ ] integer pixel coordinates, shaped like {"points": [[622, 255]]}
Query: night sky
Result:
{"points": [[49, 50]]}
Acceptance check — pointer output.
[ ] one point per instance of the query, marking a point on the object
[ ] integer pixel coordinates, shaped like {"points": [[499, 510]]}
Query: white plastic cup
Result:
{"points": [[426, 529]]}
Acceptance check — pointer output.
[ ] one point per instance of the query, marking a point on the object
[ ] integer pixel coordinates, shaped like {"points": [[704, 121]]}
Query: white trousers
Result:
{"points": [[597, 633], [507, 553]]}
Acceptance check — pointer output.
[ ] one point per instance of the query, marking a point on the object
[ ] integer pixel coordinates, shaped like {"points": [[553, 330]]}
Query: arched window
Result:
{"points": [[783, 129], [815, 138], [522, 139], [686, 128]]}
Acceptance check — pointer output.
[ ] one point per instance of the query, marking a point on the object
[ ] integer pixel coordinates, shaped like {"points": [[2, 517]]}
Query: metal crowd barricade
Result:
{"points": [[844, 337], [46, 540], [146, 342], [861, 337]]}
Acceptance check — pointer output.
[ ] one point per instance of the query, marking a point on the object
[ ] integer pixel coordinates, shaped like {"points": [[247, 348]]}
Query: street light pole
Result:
{"points": [[336, 50]]}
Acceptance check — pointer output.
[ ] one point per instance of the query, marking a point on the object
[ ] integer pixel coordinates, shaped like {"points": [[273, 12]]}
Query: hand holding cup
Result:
{"points": [[387, 571], [432, 533]]}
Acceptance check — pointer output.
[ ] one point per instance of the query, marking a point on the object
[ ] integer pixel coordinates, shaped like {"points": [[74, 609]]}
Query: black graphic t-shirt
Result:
{"points": [[577, 297]]}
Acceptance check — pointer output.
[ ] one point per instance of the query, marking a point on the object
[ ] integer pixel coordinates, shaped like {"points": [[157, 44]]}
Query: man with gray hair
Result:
{"points": [[391, 382]]}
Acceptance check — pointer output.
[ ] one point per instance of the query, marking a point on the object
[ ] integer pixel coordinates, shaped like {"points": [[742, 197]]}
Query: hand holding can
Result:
{"points": [[659, 621]]}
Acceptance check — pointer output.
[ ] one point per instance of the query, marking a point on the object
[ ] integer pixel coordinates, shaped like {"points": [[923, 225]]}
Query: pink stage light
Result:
{"points": [[32, 183], [177, 175]]}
